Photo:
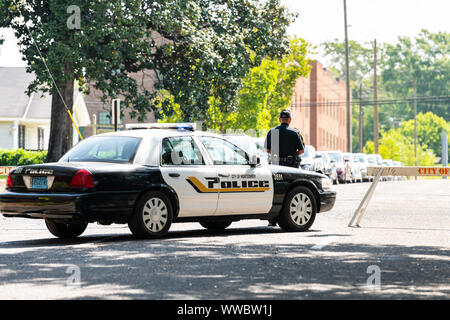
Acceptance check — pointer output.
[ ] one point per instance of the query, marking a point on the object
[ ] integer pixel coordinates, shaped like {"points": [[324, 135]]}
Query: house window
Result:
{"points": [[21, 136], [104, 118], [40, 139]]}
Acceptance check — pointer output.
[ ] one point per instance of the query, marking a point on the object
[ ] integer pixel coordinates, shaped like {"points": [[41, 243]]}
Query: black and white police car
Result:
{"points": [[154, 177]]}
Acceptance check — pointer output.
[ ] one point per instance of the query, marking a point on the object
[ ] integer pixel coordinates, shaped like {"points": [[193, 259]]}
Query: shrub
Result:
{"points": [[20, 157]]}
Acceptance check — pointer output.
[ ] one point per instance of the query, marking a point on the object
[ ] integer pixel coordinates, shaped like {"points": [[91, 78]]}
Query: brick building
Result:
{"points": [[102, 111], [319, 109]]}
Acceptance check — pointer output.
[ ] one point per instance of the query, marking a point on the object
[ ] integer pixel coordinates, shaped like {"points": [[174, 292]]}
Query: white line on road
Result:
{"points": [[325, 241]]}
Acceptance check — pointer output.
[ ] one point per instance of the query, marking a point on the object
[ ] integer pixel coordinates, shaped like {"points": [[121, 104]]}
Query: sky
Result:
{"points": [[384, 20], [323, 20]]}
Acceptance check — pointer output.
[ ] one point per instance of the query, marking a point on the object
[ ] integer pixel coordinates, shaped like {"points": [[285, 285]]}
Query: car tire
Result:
{"points": [[299, 210], [215, 225], [65, 230], [152, 216]]}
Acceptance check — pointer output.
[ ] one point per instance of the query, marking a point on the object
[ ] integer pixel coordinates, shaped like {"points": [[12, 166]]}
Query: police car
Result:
{"points": [[153, 177]]}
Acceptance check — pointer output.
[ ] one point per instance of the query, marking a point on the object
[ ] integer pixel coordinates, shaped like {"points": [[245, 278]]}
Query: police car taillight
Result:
{"points": [[82, 180], [9, 183]]}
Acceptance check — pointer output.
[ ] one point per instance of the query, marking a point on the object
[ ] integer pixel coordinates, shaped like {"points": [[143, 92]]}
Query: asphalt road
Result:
{"points": [[402, 251]]}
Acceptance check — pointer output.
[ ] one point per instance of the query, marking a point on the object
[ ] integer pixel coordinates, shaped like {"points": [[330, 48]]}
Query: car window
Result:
{"points": [[223, 152], [104, 149], [336, 157], [180, 151]]}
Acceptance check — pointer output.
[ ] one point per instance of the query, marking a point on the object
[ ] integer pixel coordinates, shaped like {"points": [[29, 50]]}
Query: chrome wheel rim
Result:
{"points": [[301, 209], [155, 214]]}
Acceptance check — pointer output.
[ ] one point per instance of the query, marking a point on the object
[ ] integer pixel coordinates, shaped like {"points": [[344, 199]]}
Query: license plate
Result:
{"points": [[39, 183]]}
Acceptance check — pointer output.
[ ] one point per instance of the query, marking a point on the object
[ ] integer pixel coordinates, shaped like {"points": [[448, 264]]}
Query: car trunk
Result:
{"points": [[54, 177]]}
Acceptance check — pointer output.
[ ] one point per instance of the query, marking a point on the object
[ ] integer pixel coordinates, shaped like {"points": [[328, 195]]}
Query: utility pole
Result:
{"points": [[444, 150], [347, 72], [375, 93], [415, 122], [361, 119]]}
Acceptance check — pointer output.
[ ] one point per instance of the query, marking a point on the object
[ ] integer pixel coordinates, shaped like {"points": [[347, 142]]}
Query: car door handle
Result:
{"points": [[223, 175], [174, 175]]}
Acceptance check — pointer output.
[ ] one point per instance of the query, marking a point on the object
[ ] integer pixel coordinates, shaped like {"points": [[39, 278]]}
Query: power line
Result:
{"points": [[340, 103]]}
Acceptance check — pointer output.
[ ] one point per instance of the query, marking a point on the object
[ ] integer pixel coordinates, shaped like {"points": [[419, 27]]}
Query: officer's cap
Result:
{"points": [[285, 114]]}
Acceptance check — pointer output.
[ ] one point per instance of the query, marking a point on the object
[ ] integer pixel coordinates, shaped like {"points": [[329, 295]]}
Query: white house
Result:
{"points": [[25, 120]]}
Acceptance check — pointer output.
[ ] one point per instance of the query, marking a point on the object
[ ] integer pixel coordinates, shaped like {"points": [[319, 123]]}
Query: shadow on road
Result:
{"points": [[181, 266]]}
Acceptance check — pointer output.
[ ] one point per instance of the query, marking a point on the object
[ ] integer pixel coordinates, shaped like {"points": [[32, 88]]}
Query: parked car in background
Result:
{"points": [[248, 144], [342, 169], [259, 143], [310, 162], [363, 163], [329, 166], [355, 168], [377, 161]]}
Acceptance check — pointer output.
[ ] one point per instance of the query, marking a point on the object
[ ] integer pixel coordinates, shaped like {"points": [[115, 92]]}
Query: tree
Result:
{"points": [[395, 146], [266, 90], [196, 49], [209, 55], [429, 131], [425, 59]]}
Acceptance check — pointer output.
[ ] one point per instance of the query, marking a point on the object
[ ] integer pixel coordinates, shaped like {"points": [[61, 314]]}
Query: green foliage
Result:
{"points": [[429, 131], [197, 49], [395, 146], [20, 157], [266, 90], [425, 58]]}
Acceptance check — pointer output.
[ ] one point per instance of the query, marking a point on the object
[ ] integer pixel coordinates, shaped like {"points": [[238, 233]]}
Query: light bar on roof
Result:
{"points": [[176, 126]]}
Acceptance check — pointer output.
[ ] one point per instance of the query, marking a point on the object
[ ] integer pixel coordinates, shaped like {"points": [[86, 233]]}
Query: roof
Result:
{"points": [[13, 100], [16, 104]]}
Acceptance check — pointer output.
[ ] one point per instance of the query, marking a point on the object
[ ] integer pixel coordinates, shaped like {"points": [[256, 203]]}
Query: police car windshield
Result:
{"points": [[104, 149]]}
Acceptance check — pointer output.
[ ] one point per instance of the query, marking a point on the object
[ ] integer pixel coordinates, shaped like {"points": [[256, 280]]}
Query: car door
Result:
{"points": [[243, 189], [184, 168]]}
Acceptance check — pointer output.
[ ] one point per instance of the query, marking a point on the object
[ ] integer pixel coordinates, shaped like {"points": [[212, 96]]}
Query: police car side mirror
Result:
{"points": [[253, 160]]}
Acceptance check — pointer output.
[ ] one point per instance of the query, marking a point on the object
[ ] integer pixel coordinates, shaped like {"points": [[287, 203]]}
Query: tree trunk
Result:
{"points": [[61, 127]]}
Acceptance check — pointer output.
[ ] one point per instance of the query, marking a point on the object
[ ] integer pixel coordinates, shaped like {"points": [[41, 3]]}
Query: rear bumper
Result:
{"points": [[327, 200], [89, 207]]}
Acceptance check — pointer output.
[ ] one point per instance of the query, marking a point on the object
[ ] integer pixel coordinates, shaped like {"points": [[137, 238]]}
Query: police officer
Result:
{"points": [[284, 143]]}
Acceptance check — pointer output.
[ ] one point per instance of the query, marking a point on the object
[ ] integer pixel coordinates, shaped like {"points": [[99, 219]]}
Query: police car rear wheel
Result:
{"points": [[299, 210], [152, 217], [215, 225]]}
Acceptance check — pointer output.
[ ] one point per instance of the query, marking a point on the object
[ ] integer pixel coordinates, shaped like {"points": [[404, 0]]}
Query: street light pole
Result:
{"points": [[349, 120]]}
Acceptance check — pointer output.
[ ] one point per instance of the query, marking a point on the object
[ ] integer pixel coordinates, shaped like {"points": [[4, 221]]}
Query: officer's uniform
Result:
{"points": [[290, 142]]}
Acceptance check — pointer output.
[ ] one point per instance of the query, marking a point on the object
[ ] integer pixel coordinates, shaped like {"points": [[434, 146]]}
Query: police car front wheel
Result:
{"points": [[299, 210], [152, 217]]}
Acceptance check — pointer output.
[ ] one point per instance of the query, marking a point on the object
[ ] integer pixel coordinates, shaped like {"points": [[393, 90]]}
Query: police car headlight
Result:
{"points": [[327, 183]]}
